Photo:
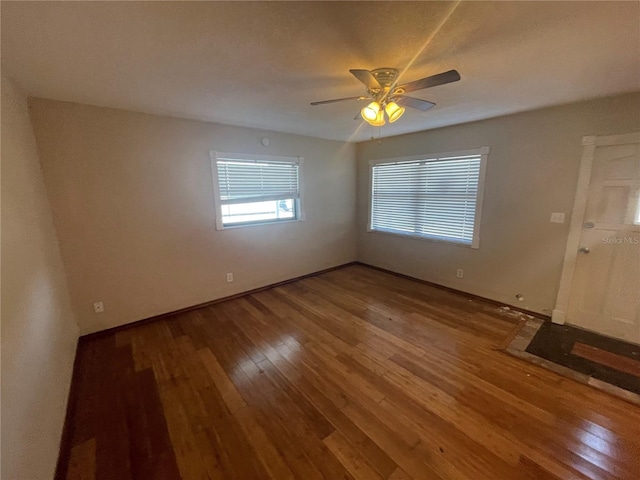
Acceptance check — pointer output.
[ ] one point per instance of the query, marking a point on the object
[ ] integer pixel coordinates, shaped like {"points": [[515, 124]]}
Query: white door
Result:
{"points": [[605, 291]]}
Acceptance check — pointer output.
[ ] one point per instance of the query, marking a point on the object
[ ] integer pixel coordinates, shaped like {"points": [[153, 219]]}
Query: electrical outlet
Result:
{"points": [[229, 277], [557, 218], [460, 273], [98, 307]]}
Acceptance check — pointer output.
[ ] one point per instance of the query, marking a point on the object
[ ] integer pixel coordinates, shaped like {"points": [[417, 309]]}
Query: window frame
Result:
{"points": [[483, 152], [298, 203]]}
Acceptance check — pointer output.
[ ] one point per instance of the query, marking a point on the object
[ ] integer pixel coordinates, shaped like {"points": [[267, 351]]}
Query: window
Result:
{"points": [[255, 189], [437, 197]]}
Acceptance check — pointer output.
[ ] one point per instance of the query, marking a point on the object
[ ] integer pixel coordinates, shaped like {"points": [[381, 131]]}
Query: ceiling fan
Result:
{"points": [[389, 97]]}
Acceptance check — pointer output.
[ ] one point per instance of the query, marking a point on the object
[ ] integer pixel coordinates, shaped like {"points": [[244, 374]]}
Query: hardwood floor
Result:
{"points": [[354, 373]]}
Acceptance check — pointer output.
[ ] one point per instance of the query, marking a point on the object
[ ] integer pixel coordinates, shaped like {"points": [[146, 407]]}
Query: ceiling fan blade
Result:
{"points": [[322, 102], [412, 102], [367, 78], [432, 81]]}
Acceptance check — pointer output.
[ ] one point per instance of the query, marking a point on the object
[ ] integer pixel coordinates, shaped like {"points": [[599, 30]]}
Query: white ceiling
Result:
{"points": [[260, 64]]}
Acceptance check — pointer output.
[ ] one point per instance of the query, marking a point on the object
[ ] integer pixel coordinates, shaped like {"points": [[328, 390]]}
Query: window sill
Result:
{"points": [[257, 224]]}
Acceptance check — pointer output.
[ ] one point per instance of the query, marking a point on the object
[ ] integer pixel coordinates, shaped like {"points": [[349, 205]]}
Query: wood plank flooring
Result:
{"points": [[609, 359], [352, 374]]}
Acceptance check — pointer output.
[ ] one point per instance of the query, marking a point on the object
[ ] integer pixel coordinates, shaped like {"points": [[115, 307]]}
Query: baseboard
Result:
{"points": [[126, 326], [112, 330], [459, 292]]}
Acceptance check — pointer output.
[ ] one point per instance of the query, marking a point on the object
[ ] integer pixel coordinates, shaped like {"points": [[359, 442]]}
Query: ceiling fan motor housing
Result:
{"points": [[386, 77]]}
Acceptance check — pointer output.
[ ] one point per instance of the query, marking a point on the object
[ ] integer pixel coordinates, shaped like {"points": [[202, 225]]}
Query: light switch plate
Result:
{"points": [[557, 218]]}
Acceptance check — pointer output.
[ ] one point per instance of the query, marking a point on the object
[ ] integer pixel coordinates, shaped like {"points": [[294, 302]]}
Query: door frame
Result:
{"points": [[589, 145]]}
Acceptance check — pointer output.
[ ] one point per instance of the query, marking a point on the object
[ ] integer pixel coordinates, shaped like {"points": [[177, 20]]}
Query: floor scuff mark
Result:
{"points": [[514, 313]]}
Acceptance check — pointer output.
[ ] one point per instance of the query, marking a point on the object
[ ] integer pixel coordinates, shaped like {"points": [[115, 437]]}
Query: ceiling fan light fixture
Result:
{"points": [[394, 111], [371, 112], [379, 121]]}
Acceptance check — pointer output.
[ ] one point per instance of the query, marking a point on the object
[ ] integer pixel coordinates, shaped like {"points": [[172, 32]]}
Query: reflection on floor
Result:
{"points": [[605, 363]]}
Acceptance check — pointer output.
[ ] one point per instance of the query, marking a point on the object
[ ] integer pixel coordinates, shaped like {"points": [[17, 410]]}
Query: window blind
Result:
{"points": [[248, 181], [434, 198]]}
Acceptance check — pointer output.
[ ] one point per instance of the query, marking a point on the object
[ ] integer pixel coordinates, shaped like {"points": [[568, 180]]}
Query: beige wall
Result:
{"points": [[532, 171], [132, 198], [39, 332]]}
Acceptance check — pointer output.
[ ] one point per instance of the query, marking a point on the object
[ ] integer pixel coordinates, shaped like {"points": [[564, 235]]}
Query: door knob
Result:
{"points": [[584, 250]]}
